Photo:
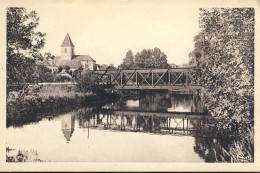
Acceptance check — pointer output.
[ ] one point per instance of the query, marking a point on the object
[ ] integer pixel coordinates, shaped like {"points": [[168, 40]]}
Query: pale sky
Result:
{"points": [[106, 30]]}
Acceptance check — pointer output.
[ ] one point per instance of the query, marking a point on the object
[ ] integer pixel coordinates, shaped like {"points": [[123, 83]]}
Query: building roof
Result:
{"points": [[67, 41], [57, 60], [73, 64], [82, 58]]}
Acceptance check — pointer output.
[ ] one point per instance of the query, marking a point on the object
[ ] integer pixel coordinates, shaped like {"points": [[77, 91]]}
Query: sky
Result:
{"points": [[107, 30]]}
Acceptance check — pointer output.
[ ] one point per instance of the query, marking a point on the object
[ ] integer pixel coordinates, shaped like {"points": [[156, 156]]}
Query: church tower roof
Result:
{"points": [[67, 41]]}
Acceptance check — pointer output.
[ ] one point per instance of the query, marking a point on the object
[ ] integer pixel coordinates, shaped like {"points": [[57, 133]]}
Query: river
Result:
{"points": [[154, 127]]}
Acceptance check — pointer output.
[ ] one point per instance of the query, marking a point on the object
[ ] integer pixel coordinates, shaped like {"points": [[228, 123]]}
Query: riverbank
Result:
{"points": [[37, 102]]}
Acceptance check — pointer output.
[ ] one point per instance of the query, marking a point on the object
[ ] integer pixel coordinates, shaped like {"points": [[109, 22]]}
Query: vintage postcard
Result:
{"points": [[129, 85]]}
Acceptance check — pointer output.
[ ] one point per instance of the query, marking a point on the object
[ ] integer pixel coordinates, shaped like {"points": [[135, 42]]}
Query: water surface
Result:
{"points": [[158, 127]]}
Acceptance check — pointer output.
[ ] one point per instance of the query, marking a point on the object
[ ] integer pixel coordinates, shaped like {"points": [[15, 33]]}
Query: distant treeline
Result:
{"points": [[147, 58]]}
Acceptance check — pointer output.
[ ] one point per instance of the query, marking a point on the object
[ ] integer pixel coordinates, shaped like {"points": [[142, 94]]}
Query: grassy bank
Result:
{"points": [[56, 91], [37, 102]]}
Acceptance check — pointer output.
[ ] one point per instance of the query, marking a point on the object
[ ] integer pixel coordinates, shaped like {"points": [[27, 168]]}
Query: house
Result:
{"points": [[69, 59]]}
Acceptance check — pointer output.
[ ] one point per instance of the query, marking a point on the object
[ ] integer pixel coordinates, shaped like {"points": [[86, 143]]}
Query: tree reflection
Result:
{"points": [[212, 145]]}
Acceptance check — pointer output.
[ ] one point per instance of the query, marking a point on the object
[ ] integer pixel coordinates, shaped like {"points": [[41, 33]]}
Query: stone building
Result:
{"points": [[69, 59]]}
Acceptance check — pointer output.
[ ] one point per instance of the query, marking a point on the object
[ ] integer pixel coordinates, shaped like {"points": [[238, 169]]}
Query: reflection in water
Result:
{"points": [[90, 135], [132, 103], [159, 102], [163, 123], [155, 113], [211, 144], [67, 126], [178, 109]]}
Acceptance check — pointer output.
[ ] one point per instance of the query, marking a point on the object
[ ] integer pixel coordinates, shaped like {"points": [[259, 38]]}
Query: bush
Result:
{"points": [[60, 78]]}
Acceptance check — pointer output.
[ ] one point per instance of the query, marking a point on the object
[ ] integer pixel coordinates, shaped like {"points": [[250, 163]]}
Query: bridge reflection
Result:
{"points": [[152, 122], [155, 112]]}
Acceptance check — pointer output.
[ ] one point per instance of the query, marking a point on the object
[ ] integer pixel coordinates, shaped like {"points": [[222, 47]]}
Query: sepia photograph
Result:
{"points": [[129, 82]]}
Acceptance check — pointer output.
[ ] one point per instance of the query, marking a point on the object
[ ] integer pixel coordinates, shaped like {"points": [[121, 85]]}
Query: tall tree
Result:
{"points": [[226, 44], [23, 45], [225, 54], [128, 61]]}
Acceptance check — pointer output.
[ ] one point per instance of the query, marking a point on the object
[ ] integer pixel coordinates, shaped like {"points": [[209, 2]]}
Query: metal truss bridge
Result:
{"points": [[170, 78]]}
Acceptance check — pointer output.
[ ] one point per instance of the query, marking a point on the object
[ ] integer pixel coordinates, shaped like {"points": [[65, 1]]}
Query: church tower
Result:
{"points": [[67, 48]]}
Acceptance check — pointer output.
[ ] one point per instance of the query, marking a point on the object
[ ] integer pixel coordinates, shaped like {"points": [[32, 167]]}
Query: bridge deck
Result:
{"points": [[170, 87]]}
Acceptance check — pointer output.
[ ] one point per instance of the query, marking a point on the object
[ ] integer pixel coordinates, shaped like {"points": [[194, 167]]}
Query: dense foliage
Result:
{"points": [[23, 45], [60, 78], [90, 82], [45, 74], [147, 58], [224, 52]]}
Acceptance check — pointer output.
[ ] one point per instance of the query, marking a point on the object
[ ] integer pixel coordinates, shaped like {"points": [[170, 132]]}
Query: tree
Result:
{"points": [[128, 61], [225, 55], [143, 59], [23, 45], [151, 58], [45, 74], [159, 59], [228, 54]]}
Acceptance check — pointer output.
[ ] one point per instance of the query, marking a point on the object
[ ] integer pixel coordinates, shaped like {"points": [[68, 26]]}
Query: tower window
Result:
{"points": [[65, 50]]}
